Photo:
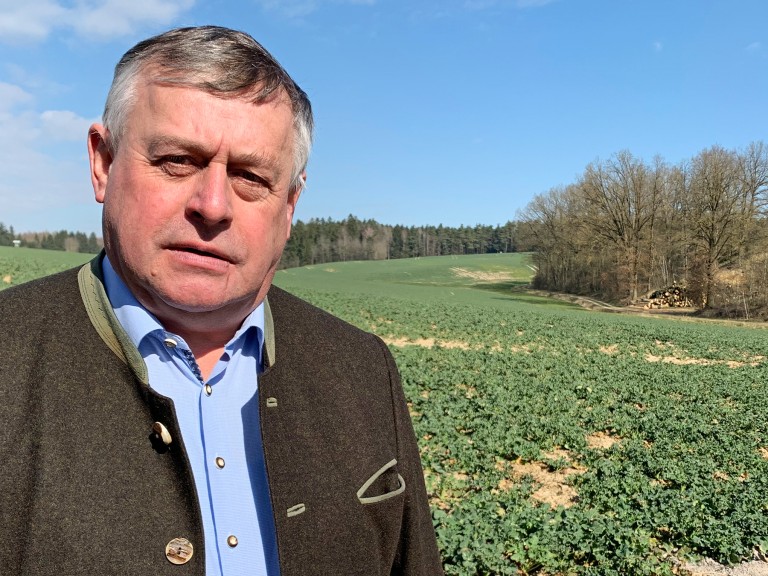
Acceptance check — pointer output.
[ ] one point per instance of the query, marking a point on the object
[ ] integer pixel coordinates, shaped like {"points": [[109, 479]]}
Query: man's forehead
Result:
{"points": [[157, 94]]}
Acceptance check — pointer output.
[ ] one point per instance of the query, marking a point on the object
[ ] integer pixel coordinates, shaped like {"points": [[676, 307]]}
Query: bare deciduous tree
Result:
{"points": [[627, 223]]}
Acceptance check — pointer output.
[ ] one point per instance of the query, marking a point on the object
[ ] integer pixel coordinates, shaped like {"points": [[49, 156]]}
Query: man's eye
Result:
{"points": [[249, 185], [250, 179], [176, 165], [177, 160], [248, 176]]}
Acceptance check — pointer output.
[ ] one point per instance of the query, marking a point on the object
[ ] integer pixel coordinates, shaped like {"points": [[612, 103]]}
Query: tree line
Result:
{"points": [[321, 240], [324, 240], [628, 226], [7, 235], [61, 240]]}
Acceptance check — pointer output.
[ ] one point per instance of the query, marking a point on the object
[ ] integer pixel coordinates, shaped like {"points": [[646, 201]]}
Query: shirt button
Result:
{"points": [[220, 462], [179, 551], [208, 390], [232, 541], [170, 343]]}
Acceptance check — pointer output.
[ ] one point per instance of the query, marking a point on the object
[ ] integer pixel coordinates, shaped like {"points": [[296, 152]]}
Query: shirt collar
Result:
{"points": [[139, 322]]}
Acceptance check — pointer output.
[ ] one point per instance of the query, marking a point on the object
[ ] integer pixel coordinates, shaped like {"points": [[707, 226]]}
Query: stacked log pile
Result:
{"points": [[671, 297]]}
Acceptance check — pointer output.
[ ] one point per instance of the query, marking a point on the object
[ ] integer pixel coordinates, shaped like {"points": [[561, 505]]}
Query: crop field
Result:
{"points": [[560, 441], [18, 265]]}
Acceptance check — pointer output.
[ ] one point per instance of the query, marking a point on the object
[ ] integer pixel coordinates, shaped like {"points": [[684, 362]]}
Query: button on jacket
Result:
{"points": [[210, 418], [90, 484]]}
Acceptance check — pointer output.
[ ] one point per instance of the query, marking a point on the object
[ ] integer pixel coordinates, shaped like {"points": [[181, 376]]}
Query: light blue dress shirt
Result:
{"points": [[221, 432]]}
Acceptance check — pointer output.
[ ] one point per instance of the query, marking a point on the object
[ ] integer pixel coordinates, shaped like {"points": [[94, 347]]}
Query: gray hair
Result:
{"points": [[217, 60]]}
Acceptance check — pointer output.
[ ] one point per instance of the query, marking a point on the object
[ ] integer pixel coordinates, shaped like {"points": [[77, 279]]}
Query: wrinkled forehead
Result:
{"points": [[176, 98], [148, 87]]}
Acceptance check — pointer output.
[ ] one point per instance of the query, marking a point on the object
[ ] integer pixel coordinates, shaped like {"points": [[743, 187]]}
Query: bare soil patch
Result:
{"points": [[610, 350], [601, 440], [426, 343], [496, 347], [677, 357], [708, 567], [482, 276], [553, 488]]}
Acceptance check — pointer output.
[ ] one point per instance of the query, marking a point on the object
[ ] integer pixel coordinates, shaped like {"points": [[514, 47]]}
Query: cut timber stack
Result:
{"points": [[672, 297]]}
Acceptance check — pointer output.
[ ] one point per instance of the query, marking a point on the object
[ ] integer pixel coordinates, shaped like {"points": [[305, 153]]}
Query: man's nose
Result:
{"points": [[211, 201]]}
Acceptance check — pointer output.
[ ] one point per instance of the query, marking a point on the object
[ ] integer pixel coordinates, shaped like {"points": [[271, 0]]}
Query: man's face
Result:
{"points": [[196, 200]]}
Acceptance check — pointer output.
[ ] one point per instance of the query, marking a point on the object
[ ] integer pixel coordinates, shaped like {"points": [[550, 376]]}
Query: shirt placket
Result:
{"points": [[234, 511]]}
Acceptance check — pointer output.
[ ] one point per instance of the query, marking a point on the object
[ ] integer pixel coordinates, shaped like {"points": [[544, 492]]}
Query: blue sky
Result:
{"points": [[428, 111]]}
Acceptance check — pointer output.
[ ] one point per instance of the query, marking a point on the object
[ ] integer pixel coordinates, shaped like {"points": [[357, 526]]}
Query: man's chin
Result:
{"points": [[204, 304], [193, 302], [188, 305]]}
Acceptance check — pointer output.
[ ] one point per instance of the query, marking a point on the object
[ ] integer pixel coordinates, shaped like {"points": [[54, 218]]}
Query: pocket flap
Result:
{"points": [[389, 490]]}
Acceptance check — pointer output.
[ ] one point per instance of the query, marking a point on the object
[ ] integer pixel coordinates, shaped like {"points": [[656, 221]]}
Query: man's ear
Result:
{"points": [[100, 160], [293, 198]]}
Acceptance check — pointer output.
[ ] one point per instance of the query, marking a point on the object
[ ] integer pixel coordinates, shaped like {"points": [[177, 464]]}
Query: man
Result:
{"points": [[164, 409]]}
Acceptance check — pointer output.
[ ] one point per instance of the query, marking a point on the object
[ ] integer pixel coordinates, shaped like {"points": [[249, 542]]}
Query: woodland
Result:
{"points": [[627, 227], [320, 240], [61, 240]]}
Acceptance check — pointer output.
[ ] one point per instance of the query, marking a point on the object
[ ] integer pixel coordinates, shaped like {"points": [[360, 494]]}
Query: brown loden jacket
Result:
{"points": [[90, 487]]}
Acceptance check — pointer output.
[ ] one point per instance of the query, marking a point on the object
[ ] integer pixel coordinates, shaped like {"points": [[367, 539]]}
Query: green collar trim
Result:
{"points": [[269, 336], [103, 318], [94, 296]]}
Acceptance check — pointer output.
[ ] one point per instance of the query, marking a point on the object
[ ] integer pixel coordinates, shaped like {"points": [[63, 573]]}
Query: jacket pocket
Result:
{"points": [[384, 484]]}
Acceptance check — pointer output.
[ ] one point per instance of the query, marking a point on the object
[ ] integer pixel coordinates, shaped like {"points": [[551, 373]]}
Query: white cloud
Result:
{"points": [[36, 19], [42, 160], [32, 81], [17, 131], [658, 46], [12, 95], [65, 125], [121, 17], [31, 20], [754, 47]]}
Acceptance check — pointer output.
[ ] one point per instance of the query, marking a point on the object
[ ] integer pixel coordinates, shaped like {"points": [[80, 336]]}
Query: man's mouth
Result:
{"points": [[201, 252]]}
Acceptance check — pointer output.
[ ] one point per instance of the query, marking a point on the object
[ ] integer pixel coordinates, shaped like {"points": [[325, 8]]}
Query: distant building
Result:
{"points": [[16, 243]]}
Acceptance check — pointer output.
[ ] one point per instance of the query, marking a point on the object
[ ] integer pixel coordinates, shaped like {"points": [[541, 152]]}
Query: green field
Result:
{"points": [[489, 279], [18, 265], [562, 441]]}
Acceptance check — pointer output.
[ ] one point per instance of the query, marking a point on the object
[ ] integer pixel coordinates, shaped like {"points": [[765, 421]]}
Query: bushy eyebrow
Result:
{"points": [[162, 144], [159, 145]]}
